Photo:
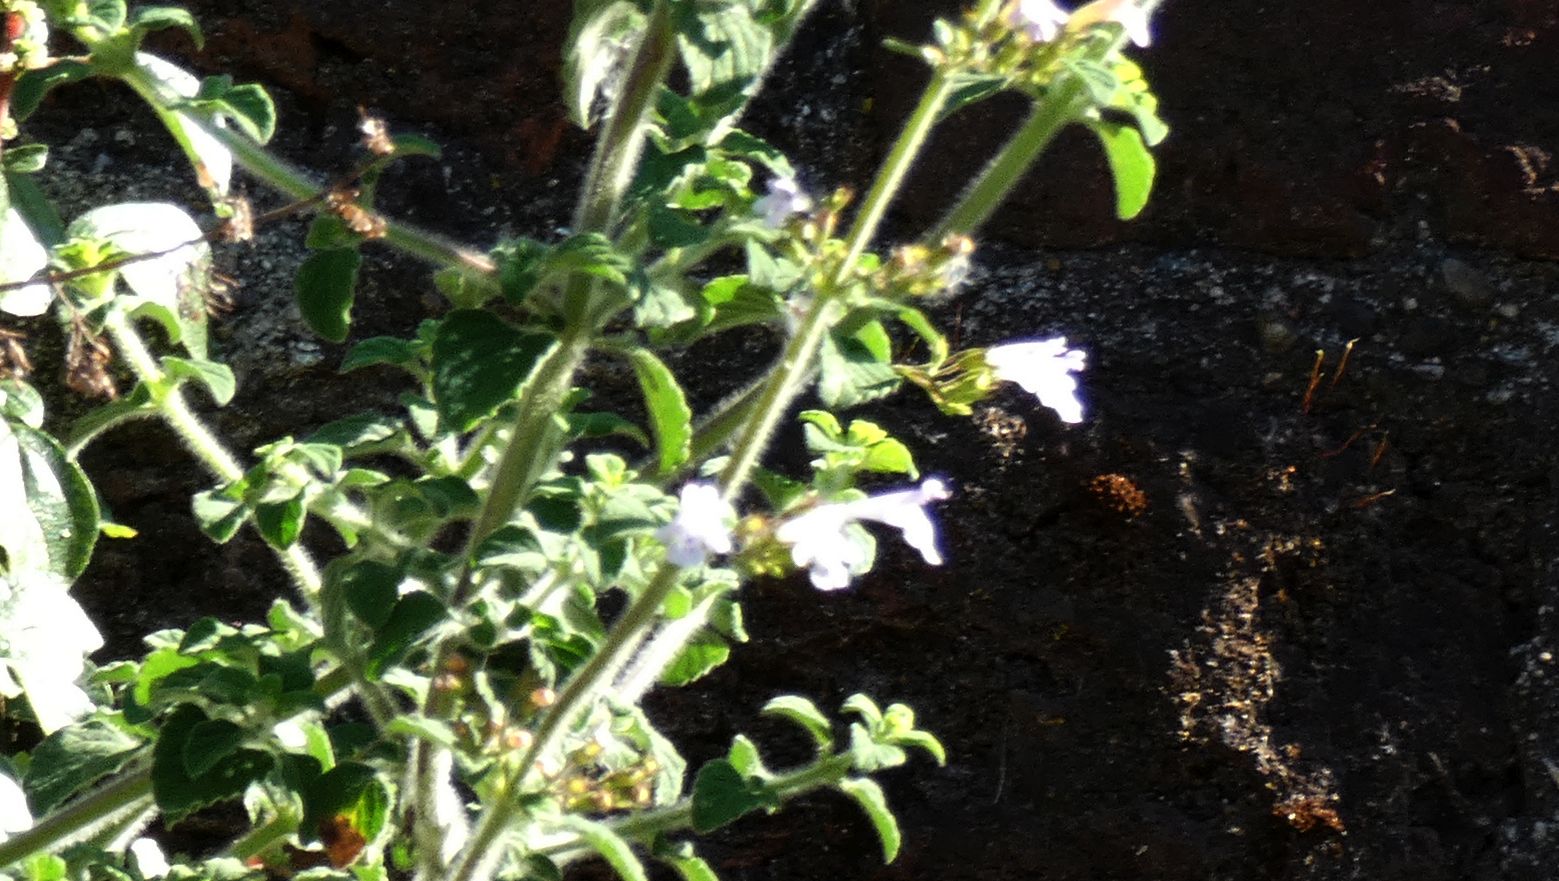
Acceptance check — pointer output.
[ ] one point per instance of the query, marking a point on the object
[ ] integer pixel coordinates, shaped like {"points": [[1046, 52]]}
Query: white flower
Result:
{"points": [[44, 641], [21, 257], [1044, 369], [1125, 13], [149, 858], [699, 529], [819, 541], [1041, 20], [784, 199], [14, 815]]}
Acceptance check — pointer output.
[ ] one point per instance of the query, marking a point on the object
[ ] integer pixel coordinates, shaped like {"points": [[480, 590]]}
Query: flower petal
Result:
{"points": [[1043, 369], [699, 528]]}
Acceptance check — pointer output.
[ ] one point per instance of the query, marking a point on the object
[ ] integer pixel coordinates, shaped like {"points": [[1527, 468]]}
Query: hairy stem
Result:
{"points": [[575, 697], [292, 182], [130, 792], [617, 151], [175, 411]]}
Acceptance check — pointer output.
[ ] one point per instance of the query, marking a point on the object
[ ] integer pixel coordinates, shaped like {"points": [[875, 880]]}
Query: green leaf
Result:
{"points": [[20, 402], [34, 84], [337, 791], [595, 37], [369, 589], [868, 754], [856, 367], [1131, 163], [612, 847], [281, 522], [923, 740], [701, 654], [177, 792], [106, 14], [688, 864], [356, 431], [721, 794], [479, 364], [73, 757], [208, 743], [869, 796], [804, 713], [593, 425], [217, 378], [248, 105], [415, 145], [383, 350], [414, 614], [50, 511], [155, 18], [671, 420], [971, 88], [26, 158], [219, 514], [210, 158], [326, 286]]}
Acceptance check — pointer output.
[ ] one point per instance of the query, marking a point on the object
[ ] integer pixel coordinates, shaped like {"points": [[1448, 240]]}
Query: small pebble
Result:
{"points": [[1469, 286]]}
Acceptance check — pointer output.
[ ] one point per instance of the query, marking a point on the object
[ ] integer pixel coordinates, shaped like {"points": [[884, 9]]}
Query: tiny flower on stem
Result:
{"points": [[1125, 13], [784, 198], [1040, 20], [1044, 369], [699, 529], [820, 543]]}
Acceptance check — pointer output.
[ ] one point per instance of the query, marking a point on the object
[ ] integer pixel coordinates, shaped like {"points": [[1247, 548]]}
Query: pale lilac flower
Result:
{"points": [[14, 814], [784, 198], [1125, 13], [819, 541], [1041, 20], [149, 858], [1044, 369], [699, 529]]}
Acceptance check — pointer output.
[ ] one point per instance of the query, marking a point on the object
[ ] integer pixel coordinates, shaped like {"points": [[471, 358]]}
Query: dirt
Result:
{"points": [[1266, 614]]}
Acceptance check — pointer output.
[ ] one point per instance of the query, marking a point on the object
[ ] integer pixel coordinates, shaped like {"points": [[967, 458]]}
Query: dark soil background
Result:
{"points": [[1211, 633]]}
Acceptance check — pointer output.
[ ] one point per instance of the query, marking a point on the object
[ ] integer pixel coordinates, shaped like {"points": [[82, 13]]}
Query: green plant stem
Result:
{"points": [[645, 825], [894, 169], [981, 199], [529, 451], [263, 837], [522, 462], [575, 696], [789, 374], [173, 408], [1016, 157], [617, 152], [296, 184], [775, 398], [130, 791]]}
